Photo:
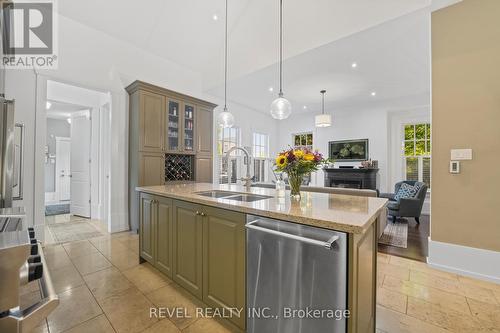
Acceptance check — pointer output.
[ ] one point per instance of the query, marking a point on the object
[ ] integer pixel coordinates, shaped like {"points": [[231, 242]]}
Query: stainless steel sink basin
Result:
{"points": [[216, 194], [236, 196], [247, 197]]}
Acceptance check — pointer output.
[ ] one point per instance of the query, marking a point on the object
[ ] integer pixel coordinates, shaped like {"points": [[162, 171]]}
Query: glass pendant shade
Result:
{"points": [[323, 120], [281, 108], [225, 119]]}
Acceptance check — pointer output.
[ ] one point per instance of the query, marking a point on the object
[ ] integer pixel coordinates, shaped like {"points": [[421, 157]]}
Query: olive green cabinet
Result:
{"points": [[187, 247], [201, 248], [152, 168], [164, 225], [146, 227], [155, 231], [151, 121], [161, 122], [224, 261]]}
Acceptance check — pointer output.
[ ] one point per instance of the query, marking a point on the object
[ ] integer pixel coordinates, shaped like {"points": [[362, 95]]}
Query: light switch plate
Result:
{"points": [[454, 167], [461, 154]]}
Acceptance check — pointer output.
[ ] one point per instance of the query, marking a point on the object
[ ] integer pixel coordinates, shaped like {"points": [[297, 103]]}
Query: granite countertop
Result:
{"points": [[345, 213]]}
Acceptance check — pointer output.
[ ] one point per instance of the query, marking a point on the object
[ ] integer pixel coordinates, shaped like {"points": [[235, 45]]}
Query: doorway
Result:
{"points": [[75, 163]]}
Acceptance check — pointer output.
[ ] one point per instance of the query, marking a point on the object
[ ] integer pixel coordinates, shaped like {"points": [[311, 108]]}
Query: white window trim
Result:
{"points": [[420, 158]]}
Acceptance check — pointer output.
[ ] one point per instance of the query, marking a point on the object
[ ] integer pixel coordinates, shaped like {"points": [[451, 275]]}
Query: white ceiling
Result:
{"points": [[392, 60], [183, 30]]}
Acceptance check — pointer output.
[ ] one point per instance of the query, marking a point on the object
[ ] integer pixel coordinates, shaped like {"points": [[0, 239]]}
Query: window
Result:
{"points": [[226, 139], [303, 140], [261, 161], [417, 152], [260, 145]]}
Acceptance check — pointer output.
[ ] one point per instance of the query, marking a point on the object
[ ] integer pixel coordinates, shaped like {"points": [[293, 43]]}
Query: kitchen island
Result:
{"points": [[195, 234]]}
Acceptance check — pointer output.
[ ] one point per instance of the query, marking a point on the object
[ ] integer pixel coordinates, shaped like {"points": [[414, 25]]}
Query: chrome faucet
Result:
{"points": [[247, 179]]}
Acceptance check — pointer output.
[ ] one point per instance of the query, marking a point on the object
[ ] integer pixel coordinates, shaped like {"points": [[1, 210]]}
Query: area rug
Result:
{"points": [[395, 234], [73, 231], [56, 209]]}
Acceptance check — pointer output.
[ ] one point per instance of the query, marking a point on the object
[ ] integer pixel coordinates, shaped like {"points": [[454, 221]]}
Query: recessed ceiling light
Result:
{"points": [[271, 89], [48, 105], [215, 17], [305, 107], [374, 93], [354, 65]]}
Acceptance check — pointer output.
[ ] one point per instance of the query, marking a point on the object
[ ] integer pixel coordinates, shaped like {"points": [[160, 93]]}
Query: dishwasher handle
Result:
{"points": [[327, 245]]}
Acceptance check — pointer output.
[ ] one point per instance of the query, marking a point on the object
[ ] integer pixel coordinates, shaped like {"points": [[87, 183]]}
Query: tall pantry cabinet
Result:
{"points": [[170, 139]]}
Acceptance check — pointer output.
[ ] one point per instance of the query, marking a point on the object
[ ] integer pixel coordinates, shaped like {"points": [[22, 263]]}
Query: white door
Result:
{"points": [[63, 169], [80, 165]]}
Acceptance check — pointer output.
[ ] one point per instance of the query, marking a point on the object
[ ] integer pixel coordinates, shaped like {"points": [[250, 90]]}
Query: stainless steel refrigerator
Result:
{"points": [[11, 166]]}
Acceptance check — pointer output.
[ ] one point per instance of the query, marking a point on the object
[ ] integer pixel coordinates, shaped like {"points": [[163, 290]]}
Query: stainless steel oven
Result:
{"points": [[22, 261]]}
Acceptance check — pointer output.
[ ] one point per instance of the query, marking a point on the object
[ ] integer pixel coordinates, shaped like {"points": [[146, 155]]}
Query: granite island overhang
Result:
{"points": [[350, 214]]}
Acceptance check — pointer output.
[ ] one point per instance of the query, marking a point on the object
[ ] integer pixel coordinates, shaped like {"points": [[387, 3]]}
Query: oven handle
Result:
{"points": [[327, 245], [27, 319]]}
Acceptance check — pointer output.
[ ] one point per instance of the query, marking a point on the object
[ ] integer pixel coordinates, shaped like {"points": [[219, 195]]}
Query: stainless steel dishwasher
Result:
{"points": [[296, 278]]}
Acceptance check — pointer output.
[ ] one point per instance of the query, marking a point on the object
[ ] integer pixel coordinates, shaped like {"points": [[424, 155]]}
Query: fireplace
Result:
{"points": [[346, 183], [351, 178]]}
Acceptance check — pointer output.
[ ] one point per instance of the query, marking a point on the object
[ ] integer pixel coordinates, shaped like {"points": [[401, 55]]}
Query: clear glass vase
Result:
{"points": [[295, 181]]}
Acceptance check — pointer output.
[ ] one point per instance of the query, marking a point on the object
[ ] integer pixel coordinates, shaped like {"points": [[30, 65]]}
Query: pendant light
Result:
{"points": [[225, 118], [281, 107], [323, 120]]}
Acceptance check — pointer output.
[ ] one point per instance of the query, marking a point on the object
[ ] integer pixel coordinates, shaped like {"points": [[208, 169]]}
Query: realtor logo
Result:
{"points": [[28, 34]]}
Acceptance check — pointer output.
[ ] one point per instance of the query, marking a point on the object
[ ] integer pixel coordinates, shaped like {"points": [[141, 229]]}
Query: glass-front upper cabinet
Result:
{"points": [[173, 122], [189, 127]]}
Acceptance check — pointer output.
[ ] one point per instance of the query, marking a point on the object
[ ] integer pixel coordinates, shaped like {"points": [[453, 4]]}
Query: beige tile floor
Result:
{"points": [[103, 288], [49, 237]]}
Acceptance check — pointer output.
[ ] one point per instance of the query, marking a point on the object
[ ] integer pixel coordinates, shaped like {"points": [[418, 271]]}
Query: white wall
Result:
{"points": [[366, 123], [95, 60]]}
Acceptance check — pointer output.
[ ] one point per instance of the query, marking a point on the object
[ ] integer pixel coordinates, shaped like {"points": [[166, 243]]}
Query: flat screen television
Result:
{"points": [[348, 150]]}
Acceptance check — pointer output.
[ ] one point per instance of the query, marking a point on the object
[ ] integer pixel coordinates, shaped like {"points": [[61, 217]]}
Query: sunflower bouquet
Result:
{"points": [[297, 163]]}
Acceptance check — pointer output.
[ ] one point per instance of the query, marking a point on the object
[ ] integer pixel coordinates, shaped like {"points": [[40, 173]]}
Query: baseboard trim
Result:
{"points": [[463, 260]]}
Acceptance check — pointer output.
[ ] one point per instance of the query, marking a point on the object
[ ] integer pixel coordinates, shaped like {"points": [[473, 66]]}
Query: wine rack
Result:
{"points": [[179, 167]]}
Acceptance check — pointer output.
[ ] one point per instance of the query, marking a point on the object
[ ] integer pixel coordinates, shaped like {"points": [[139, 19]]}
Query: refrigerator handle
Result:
{"points": [[21, 163], [327, 245]]}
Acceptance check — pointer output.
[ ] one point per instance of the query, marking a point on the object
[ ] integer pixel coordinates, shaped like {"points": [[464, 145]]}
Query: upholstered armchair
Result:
{"points": [[406, 207]]}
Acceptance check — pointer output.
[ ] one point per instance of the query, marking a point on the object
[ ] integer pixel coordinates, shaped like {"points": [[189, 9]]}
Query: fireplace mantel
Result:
{"points": [[351, 178]]}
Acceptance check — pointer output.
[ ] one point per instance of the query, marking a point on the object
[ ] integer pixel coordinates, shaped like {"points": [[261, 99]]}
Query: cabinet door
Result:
{"points": [[152, 169], [151, 120], [163, 260], [188, 120], [203, 169], [187, 243], [173, 123], [224, 261], [204, 124], [147, 227]]}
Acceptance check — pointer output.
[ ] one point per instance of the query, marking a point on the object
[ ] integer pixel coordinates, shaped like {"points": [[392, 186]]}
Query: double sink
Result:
{"points": [[236, 196]]}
